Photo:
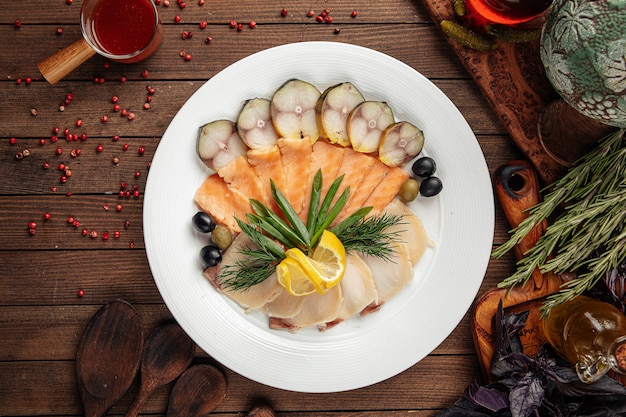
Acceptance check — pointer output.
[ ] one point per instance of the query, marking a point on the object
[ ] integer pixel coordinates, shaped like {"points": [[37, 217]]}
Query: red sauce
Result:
{"points": [[509, 11], [122, 27]]}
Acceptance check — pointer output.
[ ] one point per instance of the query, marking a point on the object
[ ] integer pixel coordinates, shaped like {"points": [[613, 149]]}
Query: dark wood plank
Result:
{"points": [[54, 384], [423, 48], [393, 11]]}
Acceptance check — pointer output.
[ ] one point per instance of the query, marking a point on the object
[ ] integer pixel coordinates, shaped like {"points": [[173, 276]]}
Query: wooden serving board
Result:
{"points": [[513, 80], [517, 188]]}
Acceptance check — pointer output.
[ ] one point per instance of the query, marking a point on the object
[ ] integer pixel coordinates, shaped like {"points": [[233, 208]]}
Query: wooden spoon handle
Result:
{"points": [[138, 403], [57, 66], [517, 188]]}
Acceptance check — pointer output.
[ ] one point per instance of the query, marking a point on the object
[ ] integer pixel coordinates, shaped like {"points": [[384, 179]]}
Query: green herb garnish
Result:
{"points": [[270, 233], [589, 235]]}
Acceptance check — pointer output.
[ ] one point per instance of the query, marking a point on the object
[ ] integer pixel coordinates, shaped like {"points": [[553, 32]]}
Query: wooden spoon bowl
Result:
{"points": [[168, 352], [108, 356], [198, 391]]}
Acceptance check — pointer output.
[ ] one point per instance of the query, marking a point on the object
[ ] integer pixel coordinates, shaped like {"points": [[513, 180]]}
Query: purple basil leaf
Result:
{"points": [[489, 398], [526, 396], [513, 323], [604, 386], [506, 340]]}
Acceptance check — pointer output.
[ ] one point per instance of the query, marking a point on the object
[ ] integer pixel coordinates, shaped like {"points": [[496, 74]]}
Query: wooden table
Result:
{"points": [[42, 315]]}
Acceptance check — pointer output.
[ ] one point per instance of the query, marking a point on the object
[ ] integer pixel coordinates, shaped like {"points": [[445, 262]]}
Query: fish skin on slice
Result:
{"points": [[222, 202]]}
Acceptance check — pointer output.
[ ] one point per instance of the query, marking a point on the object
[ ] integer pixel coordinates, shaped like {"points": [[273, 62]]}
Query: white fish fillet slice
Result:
{"points": [[391, 276], [285, 306], [317, 310], [256, 296], [411, 230], [357, 286]]}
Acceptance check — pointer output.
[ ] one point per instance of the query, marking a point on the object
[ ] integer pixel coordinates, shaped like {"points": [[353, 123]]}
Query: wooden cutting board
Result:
{"points": [[513, 80]]}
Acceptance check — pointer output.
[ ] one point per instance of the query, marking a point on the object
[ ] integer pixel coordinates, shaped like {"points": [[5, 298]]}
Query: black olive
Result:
{"points": [[210, 255], [431, 186], [424, 167], [203, 222]]}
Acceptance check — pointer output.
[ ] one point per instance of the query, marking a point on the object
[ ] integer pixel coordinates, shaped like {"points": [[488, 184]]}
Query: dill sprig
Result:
{"points": [[371, 236], [257, 264], [270, 233], [588, 236]]}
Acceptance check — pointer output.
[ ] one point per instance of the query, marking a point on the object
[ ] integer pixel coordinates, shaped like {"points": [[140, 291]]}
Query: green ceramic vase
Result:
{"points": [[583, 49]]}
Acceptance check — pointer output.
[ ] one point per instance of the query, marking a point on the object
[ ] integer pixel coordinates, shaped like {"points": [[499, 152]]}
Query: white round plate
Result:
{"points": [[361, 351]]}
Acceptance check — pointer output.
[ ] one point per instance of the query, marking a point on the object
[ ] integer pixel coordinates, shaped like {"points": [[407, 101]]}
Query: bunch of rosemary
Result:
{"points": [[271, 234], [588, 237]]}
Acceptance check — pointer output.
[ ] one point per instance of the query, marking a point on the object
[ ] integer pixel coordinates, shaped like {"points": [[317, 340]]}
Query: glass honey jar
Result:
{"points": [[591, 334]]}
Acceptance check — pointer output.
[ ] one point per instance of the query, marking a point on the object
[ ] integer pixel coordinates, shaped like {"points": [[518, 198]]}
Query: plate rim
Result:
{"points": [[282, 342]]}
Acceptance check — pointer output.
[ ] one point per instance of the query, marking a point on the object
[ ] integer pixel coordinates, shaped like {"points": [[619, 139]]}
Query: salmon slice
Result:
{"points": [[240, 175], [386, 190], [354, 167], [222, 202], [296, 157], [327, 158], [358, 197], [267, 164]]}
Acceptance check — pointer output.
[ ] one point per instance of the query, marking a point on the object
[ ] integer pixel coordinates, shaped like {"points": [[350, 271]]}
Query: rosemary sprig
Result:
{"points": [[593, 197], [270, 233]]}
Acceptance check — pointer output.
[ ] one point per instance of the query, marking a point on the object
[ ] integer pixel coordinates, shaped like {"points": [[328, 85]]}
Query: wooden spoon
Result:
{"points": [[108, 356], [197, 392], [168, 352], [262, 410]]}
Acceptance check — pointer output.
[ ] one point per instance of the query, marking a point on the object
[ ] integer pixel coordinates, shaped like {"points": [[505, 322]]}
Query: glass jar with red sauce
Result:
{"points": [[122, 30]]}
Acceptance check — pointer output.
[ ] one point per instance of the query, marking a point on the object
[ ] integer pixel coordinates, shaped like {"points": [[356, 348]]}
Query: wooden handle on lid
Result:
{"points": [[57, 66]]}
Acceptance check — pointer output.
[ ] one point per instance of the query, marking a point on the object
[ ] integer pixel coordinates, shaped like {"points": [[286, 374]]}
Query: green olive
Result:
{"points": [[409, 190], [221, 237]]}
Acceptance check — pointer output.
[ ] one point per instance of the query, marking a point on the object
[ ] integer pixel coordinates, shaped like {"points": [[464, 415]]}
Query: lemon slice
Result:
{"points": [[326, 267], [293, 278]]}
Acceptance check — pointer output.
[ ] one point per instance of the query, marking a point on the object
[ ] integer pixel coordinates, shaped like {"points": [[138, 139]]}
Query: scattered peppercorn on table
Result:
{"points": [[76, 156]]}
